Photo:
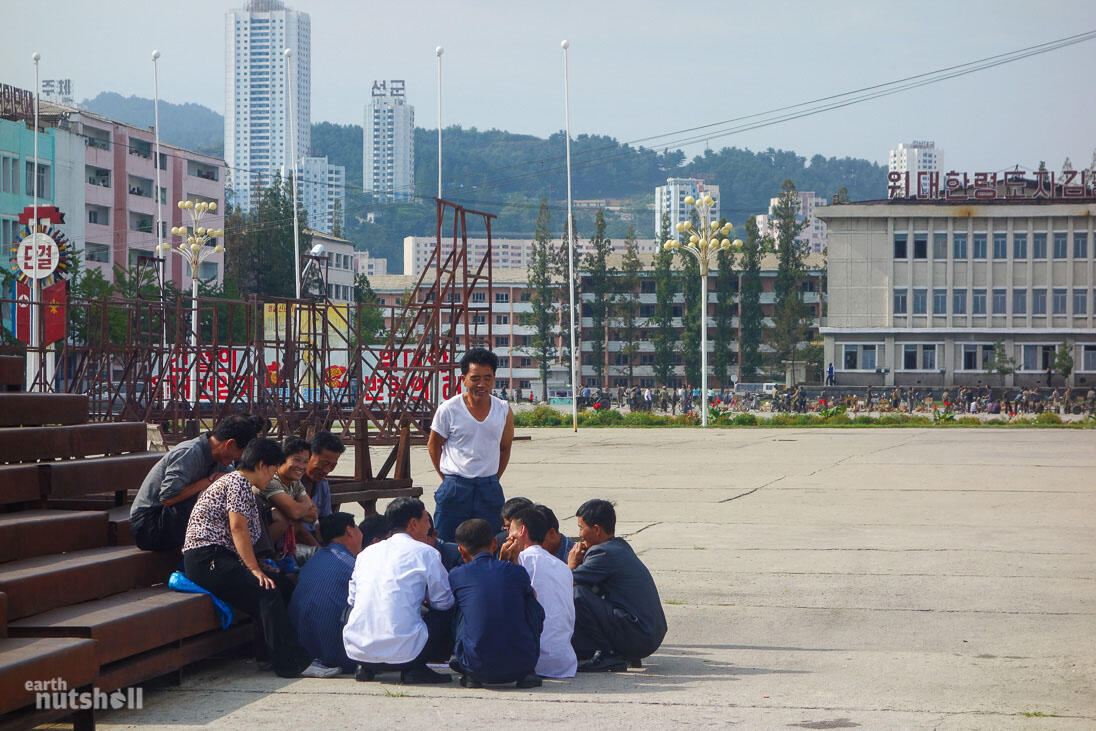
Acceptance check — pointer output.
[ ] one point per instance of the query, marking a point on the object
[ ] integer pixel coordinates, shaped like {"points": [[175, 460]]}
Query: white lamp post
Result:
{"points": [[293, 152], [704, 244], [194, 249], [570, 239]]}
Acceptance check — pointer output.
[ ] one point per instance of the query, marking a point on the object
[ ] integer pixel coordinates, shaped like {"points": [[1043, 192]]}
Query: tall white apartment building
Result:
{"points": [[670, 198], [919, 156], [321, 185], [813, 237], [257, 125], [388, 155]]}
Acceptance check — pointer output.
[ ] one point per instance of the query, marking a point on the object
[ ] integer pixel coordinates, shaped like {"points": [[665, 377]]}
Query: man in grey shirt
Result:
{"points": [[618, 613], [160, 512]]}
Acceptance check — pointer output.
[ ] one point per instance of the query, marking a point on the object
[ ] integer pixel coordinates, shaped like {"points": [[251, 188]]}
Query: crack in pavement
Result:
{"points": [[751, 492]]}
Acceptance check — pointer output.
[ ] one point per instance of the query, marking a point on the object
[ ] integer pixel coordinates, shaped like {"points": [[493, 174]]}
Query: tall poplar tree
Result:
{"points": [[259, 243], [626, 303], [724, 308], [691, 318], [542, 298], [790, 314], [598, 284], [665, 338], [749, 299]]}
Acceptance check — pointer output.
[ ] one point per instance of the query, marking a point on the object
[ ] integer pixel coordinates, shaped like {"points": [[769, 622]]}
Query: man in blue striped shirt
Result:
{"points": [[318, 607]]}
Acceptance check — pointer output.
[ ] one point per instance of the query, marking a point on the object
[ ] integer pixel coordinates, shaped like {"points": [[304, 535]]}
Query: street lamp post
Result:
{"points": [[194, 249], [704, 244]]}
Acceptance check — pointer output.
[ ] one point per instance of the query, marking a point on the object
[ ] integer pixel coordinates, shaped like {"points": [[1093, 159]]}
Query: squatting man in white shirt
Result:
{"points": [[470, 441]]}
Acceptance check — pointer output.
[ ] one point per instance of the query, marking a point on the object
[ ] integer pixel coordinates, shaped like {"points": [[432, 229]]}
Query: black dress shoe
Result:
{"points": [[532, 680], [422, 675], [364, 674], [467, 680], [635, 662], [604, 662], [454, 665]]}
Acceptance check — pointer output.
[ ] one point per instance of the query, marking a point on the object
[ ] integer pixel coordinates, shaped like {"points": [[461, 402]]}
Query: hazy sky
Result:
{"points": [[638, 68]]}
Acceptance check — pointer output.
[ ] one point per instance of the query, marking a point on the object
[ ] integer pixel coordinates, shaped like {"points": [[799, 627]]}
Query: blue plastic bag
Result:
{"points": [[179, 582]]}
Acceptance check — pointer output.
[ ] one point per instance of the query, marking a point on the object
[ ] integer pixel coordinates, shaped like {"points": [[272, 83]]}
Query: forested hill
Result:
{"points": [[506, 173]]}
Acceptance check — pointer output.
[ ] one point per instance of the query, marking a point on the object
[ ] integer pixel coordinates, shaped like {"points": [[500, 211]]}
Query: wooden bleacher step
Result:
{"points": [[126, 624], [42, 659], [38, 409], [39, 584], [30, 533], [30, 444], [98, 483]]}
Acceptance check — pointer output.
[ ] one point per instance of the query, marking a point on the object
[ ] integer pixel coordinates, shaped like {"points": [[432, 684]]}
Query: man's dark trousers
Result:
{"points": [[162, 527], [601, 626]]}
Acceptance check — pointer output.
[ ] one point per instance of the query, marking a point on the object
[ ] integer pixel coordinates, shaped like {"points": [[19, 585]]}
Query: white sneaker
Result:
{"points": [[318, 670]]}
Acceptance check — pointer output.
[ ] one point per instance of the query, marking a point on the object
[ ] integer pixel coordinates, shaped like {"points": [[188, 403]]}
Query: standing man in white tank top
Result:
{"points": [[470, 440]]}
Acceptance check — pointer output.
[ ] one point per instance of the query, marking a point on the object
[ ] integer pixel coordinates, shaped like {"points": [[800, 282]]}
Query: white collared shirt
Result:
{"points": [[391, 580], [555, 588]]}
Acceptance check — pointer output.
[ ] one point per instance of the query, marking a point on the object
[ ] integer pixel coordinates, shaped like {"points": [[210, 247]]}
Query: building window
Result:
{"points": [[977, 356], [1060, 246], [939, 302], [97, 252], [1019, 246], [939, 246], [479, 297], [1039, 246], [1080, 246], [920, 246], [918, 357], [979, 246], [1088, 358], [900, 301], [502, 319], [959, 302], [1038, 302], [1037, 357], [959, 246], [43, 180], [502, 297], [1019, 301], [502, 341], [978, 302], [859, 357], [999, 302], [1080, 301], [900, 249], [1000, 246], [1058, 302], [920, 301]]}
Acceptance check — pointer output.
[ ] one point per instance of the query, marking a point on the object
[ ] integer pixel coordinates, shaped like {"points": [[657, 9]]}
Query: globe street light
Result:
{"points": [[705, 243], [194, 249]]}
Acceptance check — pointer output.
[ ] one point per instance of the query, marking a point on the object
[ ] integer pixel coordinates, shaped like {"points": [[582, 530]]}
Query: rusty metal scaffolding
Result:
{"points": [[302, 363]]}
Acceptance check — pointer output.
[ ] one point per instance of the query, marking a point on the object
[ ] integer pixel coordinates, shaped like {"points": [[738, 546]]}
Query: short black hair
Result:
{"points": [[482, 356], [553, 521], [334, 526], [402, 511], [474, 535], [294, 444], [264, 450], [536, 525], [513, 506], [240, 427], [598, 512], [326, 441], [373, 527]]}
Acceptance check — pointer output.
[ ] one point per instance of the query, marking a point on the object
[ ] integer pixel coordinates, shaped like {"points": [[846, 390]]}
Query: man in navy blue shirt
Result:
{"points": [[318, 607], [500, 619]]}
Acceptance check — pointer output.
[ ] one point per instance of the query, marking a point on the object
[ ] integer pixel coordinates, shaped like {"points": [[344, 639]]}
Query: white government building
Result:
{"points": [[921, 287]]}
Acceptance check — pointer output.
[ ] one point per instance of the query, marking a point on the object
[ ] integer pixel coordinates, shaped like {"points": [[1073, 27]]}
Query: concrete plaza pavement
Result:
{"points": [[812, 578]]}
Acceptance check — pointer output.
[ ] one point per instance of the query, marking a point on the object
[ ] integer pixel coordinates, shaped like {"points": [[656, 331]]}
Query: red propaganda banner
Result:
{"points": [[54, 306], [22, 311]]}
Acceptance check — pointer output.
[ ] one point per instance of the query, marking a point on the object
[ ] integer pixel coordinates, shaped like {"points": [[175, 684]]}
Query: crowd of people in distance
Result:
{"points": [[489, 587]]}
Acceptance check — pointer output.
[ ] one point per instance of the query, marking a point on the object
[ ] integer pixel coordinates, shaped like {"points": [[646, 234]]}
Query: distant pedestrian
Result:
{"points": [[829, 375]]}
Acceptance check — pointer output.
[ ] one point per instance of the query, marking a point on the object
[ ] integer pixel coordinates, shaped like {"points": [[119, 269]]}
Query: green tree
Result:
{"points": [[368, 314], [1063, 359], [749, 310], [336, 218], [542, 298], [1001, 362], [691, 313], [724, 315], [626, 303], [598, 284], [790, 313], [259, 244], [665, 338]]}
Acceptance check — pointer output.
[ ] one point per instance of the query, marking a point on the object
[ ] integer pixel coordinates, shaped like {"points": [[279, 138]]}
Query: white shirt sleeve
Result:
{"points": [[438, 593], [441, 421]]}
